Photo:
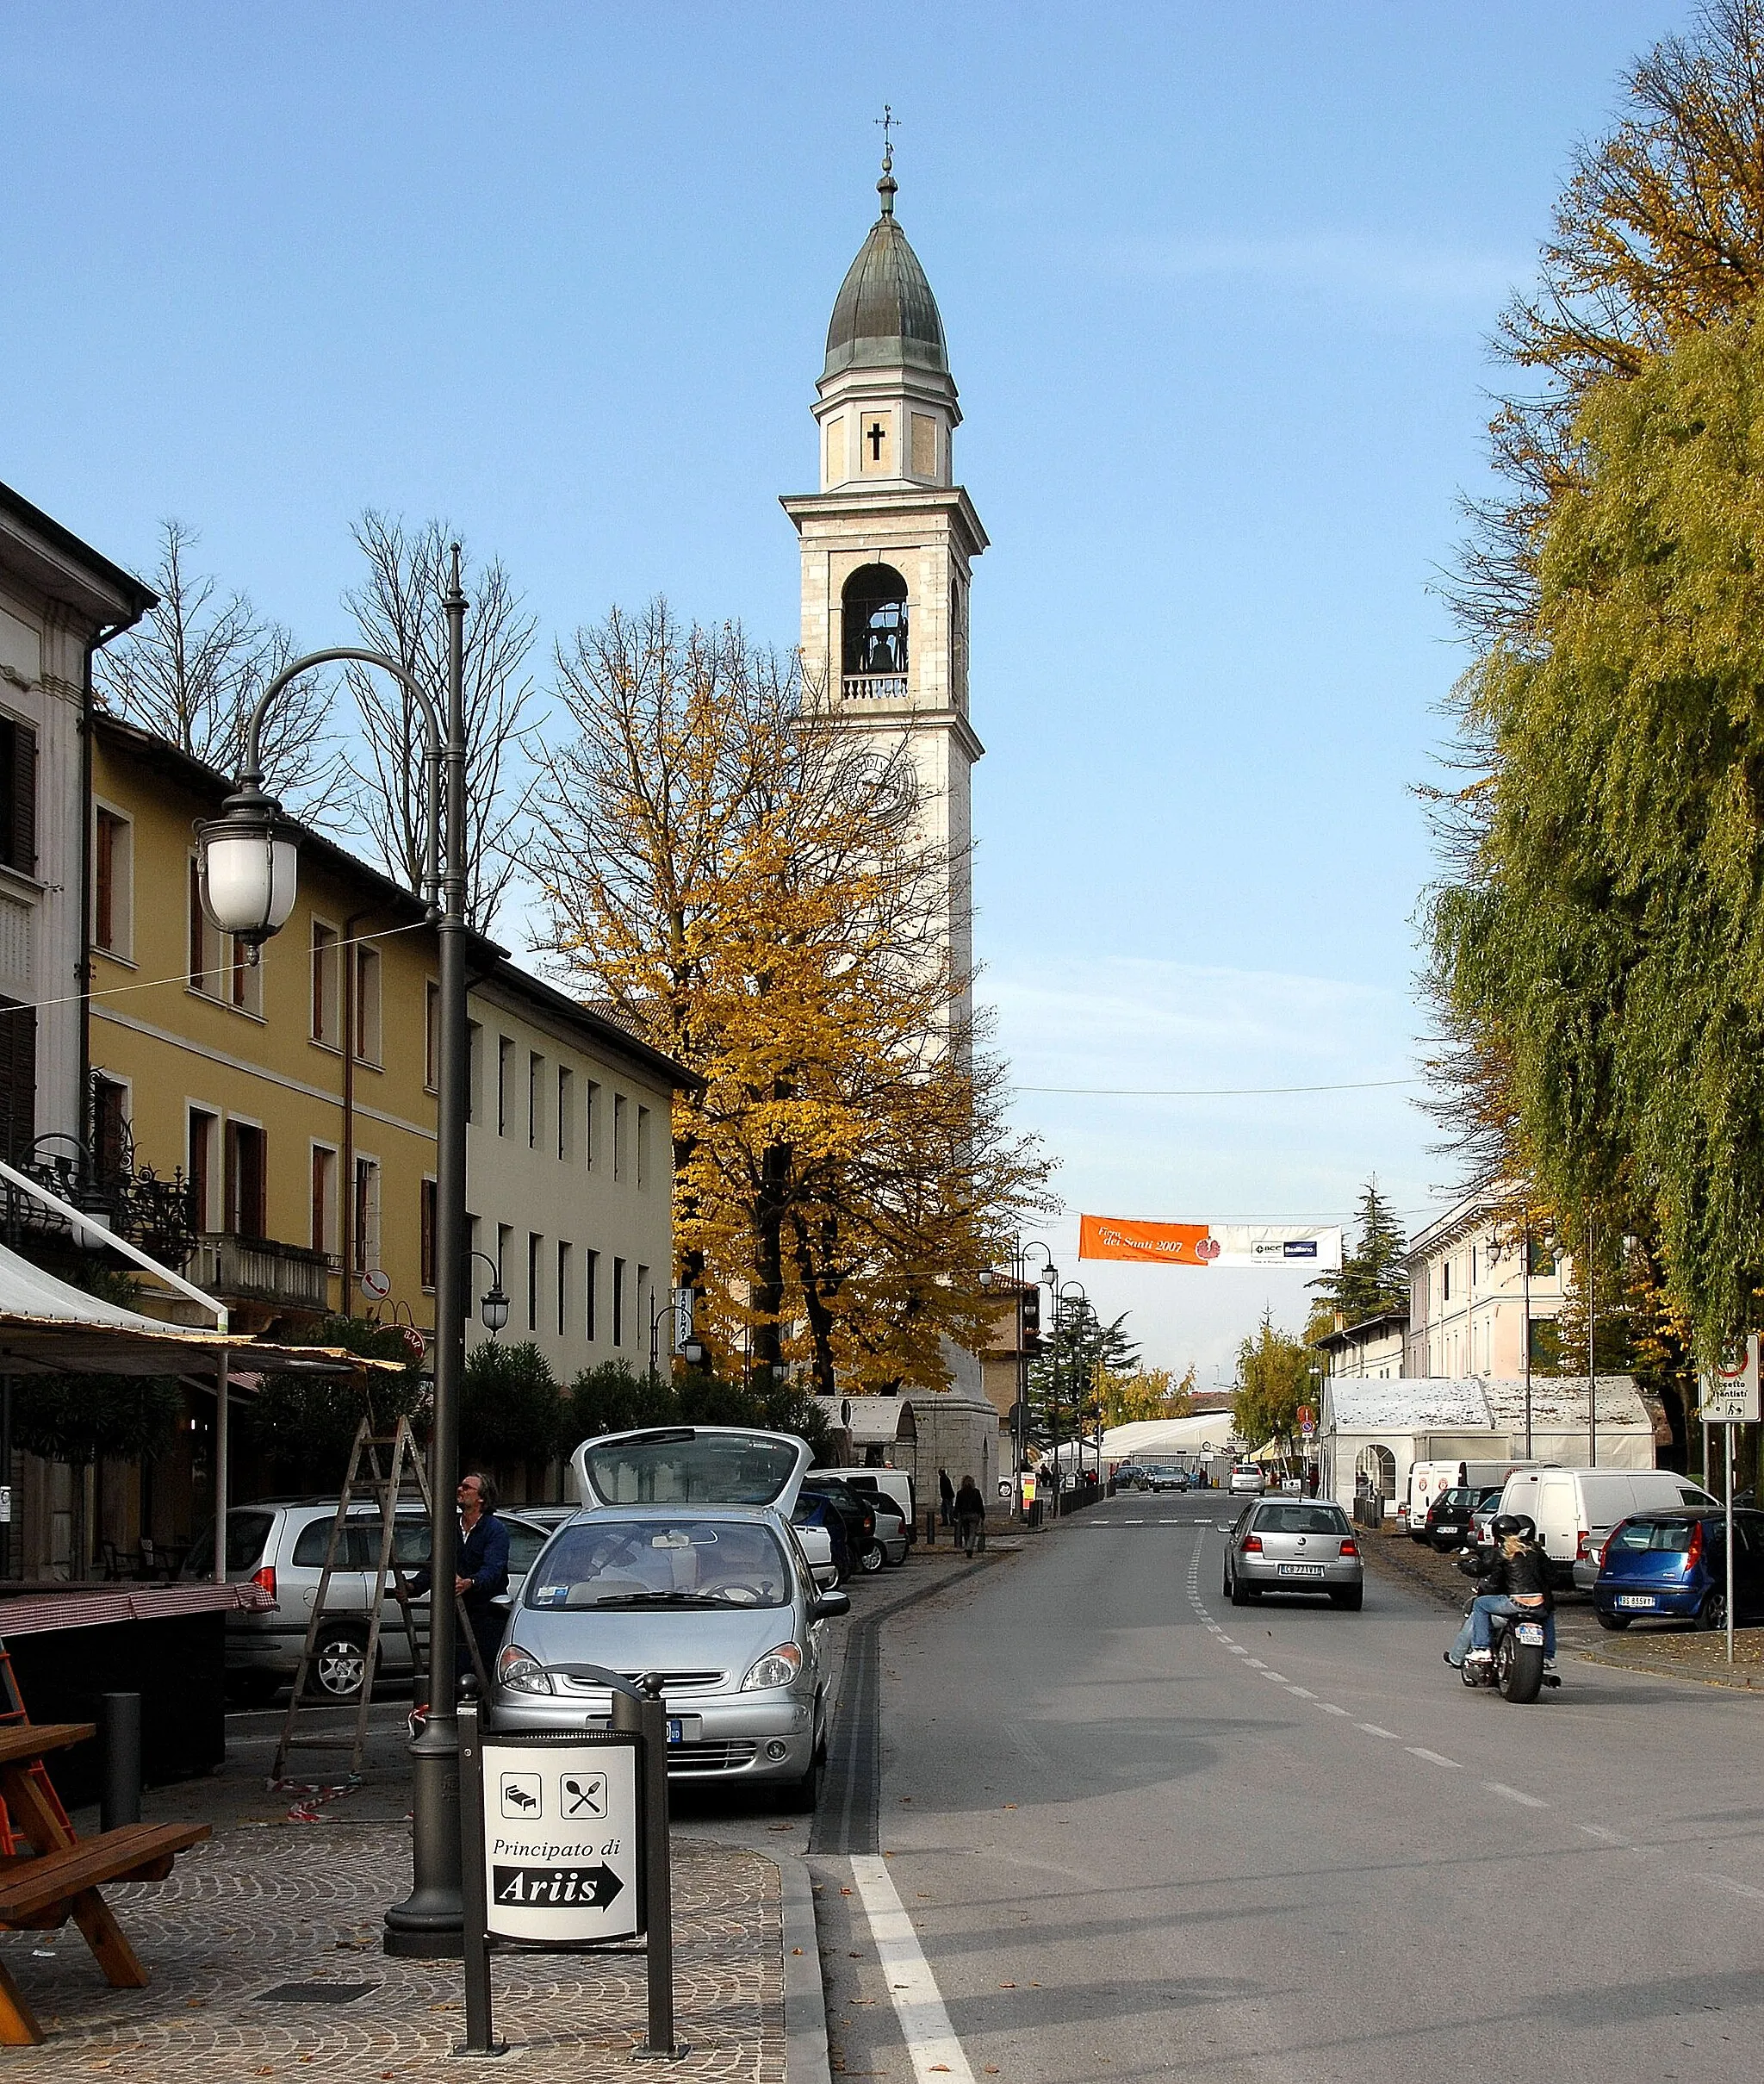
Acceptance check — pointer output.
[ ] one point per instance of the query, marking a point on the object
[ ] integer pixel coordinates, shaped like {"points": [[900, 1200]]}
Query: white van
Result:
{"points": [[1576, 1508], [894, 1486]]}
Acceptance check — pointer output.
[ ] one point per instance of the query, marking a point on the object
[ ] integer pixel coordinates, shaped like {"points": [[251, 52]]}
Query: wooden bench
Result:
{"points": [[61, 1877]]}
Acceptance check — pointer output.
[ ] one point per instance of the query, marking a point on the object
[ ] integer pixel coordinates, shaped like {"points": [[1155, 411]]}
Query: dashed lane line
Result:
{"points": [[1373, 1730], [931, 2044], [1508, 1793], [1421, 1750]]}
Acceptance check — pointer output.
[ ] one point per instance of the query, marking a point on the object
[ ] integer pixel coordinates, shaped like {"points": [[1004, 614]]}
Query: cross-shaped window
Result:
{"points": [[876, 434]]}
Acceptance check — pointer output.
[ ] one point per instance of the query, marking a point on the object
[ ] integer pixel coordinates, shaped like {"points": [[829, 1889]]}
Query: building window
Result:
{"points": [[536, 1082], [618, 1115], [566, 1110], [431, 1041], [203, 1134], [18, 1077], [645, 1302], [591, 1092], [244, 1179], [505, 1051], [1544, 1343], [425, 1218], [563, 1289], [1446, 1281], [642, 1147], [205, 957], [244, 981], [1542, 1261], [324, 1200], [474, 1068], [874, 626], [113, 883], [535, 1246], [327, 987], [109, 1126], [365, 1215], [367, 1004], [505, 1244], [18, 796], [591, 1283], [618, 1301]]}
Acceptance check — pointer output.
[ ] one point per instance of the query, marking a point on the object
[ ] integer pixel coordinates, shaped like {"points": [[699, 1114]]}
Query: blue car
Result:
{"points": [[1673, 1566]]}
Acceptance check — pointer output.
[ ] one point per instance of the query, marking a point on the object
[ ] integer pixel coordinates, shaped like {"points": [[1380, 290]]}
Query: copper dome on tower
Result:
{"points": [[885, 316]]}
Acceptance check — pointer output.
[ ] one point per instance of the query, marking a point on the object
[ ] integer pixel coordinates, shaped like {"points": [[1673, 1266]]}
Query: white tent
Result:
{"points": [[1146, 1439]]}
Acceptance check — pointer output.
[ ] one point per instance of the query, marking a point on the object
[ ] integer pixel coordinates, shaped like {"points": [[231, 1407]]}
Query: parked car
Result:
{"points": [[1574, 1510], [280, 1544], [1293, 1546], [893, 1486], [1452, 1515], [1661, 1566], [1128, 1476], [892, 1539], [857, 1513], [683, 1562], [1248, 1478], [820, 1526]]}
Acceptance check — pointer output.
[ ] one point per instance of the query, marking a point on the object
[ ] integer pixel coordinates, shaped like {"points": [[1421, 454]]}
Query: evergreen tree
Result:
{"points": [[1374, 1276], [1079, 1353]]}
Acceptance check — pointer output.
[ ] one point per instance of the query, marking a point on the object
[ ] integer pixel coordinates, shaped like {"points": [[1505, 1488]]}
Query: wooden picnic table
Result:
{"points": [[59, 1879]]}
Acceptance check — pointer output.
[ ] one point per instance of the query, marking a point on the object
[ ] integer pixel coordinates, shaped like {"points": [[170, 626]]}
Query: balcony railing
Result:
{"points": [[262, 1270], [875, 687]]}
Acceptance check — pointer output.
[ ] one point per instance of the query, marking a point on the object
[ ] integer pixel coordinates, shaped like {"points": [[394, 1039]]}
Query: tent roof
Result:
{"points": [[48, 1327], [1153, 1436]]}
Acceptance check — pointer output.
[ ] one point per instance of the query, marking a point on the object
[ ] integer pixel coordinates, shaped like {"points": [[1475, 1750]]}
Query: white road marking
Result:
{"points": [[1256, 1664], [1610, 1837], [1329, 1709], [1726, 1881], [1303, 1692], [1373, 1730], [1278, 1677], [1525, 1801], [931, 2044], [1421, 1750]]}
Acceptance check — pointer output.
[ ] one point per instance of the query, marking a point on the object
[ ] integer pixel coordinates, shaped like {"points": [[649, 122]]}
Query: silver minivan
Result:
{"points": [[683, 1563], [280, 1545]]}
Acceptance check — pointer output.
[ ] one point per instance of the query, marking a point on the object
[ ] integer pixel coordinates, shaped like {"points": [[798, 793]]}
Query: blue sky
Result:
{"points": [[1216, 282]]}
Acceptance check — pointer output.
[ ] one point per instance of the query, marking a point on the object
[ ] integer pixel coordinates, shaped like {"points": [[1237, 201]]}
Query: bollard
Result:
{"points": [[649, 1715], [931, 1527], [122, 1799]]}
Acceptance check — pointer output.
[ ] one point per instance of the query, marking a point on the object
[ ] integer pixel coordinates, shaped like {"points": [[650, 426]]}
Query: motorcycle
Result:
{"points": [[1515, 1663]]}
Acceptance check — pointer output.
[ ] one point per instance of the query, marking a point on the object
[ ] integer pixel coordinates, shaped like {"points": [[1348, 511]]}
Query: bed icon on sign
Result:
{"points": [[523, 1798], [582, 1794]]}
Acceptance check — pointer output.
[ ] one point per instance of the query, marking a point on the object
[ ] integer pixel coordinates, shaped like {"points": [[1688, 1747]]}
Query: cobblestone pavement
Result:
{"points": [[257, 1908]]}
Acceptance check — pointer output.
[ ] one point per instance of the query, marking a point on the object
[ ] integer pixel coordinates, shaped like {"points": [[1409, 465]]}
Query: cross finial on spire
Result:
{"points": [[886, 123]]}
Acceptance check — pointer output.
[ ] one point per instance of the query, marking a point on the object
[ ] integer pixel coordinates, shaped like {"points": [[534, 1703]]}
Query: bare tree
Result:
{"points": [[397, 609], [192, 674]]}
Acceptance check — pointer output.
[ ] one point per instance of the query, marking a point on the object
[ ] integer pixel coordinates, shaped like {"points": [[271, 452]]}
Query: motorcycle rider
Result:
{"points": [[1516, 1585]]}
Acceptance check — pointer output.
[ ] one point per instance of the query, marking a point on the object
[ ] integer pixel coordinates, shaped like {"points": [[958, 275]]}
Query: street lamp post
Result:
{"points": [[1058, 1293], [678, 1309], [248, 859]]}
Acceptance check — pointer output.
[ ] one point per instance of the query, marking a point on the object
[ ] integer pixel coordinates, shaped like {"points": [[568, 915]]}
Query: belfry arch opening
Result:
{"points": [[875, 634]]}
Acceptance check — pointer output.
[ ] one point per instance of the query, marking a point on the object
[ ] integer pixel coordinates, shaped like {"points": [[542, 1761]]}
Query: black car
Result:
{"points": [[1449, 1515], [856, 1513]]}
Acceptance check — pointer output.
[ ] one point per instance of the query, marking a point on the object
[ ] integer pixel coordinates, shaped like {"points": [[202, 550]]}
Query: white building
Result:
{"points": [[59, 601], [1480, 1300], [1374, 1350]]}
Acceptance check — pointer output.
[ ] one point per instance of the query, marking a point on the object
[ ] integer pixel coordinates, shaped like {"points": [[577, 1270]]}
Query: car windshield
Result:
{"points": [[683, 1467], [1673, 1536], [1456, 1500], [662, 1563], [1299, 1520]]}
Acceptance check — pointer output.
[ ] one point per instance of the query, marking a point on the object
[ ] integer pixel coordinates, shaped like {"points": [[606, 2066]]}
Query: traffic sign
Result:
{"points": [[562, 1849], [1731, 1394]]}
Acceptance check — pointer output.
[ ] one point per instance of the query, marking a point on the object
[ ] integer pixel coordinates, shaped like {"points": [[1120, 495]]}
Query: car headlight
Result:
{"points": [[778, 1667], [521, 1671]]}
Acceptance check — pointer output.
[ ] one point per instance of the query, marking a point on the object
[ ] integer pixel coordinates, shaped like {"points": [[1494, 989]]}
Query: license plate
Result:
{"points": [[1298, 1570], [685, 1729], [1635, 1599], [1529, 1632]]}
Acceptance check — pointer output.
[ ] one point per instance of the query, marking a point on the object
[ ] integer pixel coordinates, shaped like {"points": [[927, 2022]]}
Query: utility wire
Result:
{"points": [[1212, 1092]]}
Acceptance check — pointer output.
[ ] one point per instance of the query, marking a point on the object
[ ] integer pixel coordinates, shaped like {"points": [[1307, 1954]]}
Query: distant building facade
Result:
{"points": [[1481, 1299]]}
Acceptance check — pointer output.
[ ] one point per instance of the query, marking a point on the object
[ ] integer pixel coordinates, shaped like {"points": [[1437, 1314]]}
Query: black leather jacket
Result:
{"points": [[1524, 1574]]}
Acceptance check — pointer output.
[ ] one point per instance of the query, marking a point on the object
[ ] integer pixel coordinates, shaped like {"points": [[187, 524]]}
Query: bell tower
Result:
{"points": [[889, 542]]}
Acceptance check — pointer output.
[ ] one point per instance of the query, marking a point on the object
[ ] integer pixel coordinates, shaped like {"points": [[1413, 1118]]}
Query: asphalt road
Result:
{"points": [[1128, 1830]]}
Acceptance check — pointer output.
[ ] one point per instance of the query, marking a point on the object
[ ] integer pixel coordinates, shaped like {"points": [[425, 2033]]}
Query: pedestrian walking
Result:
{"points": [[970, 1514], [946, 1497]]}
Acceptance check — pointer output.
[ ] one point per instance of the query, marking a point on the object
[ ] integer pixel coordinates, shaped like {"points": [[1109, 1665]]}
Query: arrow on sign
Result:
{"points": [[544, 1888]]}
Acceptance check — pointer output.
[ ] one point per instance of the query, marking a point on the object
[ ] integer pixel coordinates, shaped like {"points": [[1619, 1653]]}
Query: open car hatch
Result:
{"points": [[692, 1465]]}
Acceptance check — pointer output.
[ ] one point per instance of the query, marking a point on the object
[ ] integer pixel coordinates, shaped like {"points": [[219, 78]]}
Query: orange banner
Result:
{"points": [[1167, 1244]]}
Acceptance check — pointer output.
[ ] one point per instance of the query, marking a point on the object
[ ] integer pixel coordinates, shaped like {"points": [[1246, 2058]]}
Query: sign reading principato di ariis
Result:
{"points": [[1312, 1249]]}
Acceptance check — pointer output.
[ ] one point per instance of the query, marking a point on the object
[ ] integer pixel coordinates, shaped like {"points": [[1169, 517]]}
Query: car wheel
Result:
{"points": [[1616, 1622], [1225, 1584], [340, 1663], [1240, 1593], [1712, 1613], [802, 1797], [872, 1560], [1349, 1602]]}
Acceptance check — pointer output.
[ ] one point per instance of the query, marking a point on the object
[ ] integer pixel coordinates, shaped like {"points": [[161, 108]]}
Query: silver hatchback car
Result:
{"points": [[683, 1563], [1293, 1545]]}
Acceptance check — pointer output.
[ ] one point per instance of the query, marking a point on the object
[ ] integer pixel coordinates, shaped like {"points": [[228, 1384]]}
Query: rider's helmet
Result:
{"points": [[1509, 1523], [1524, 1526]]}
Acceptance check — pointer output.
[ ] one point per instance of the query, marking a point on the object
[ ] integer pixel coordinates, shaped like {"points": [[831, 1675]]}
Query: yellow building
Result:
{"points": [[298, 1096]]}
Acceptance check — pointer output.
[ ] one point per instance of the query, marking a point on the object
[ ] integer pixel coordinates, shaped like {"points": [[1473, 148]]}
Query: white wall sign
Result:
{"points": [[1731, 1394], [562, 1850]]}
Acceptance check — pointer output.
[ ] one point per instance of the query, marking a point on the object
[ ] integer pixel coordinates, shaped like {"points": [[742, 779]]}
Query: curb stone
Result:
{"points": [[805, 2059]]}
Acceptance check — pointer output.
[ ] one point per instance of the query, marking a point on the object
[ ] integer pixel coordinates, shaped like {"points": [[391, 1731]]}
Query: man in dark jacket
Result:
{"points": [[1515, 1585], [480, 1572], [970, 1514]]}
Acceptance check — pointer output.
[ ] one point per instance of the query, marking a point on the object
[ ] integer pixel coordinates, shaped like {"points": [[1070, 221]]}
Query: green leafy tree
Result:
{"points": [[510, 1409], [1374, 1276], [1605, 932], [1066, 1380], [611, 1399], [304, 1426], [1273, 1379]]}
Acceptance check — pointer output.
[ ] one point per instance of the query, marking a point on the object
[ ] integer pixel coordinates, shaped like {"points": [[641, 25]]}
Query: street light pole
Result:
{"points": [[248, 860]]}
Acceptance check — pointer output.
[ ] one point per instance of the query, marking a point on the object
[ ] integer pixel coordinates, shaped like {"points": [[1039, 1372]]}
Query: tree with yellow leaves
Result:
{"points": [[751, 893]]}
